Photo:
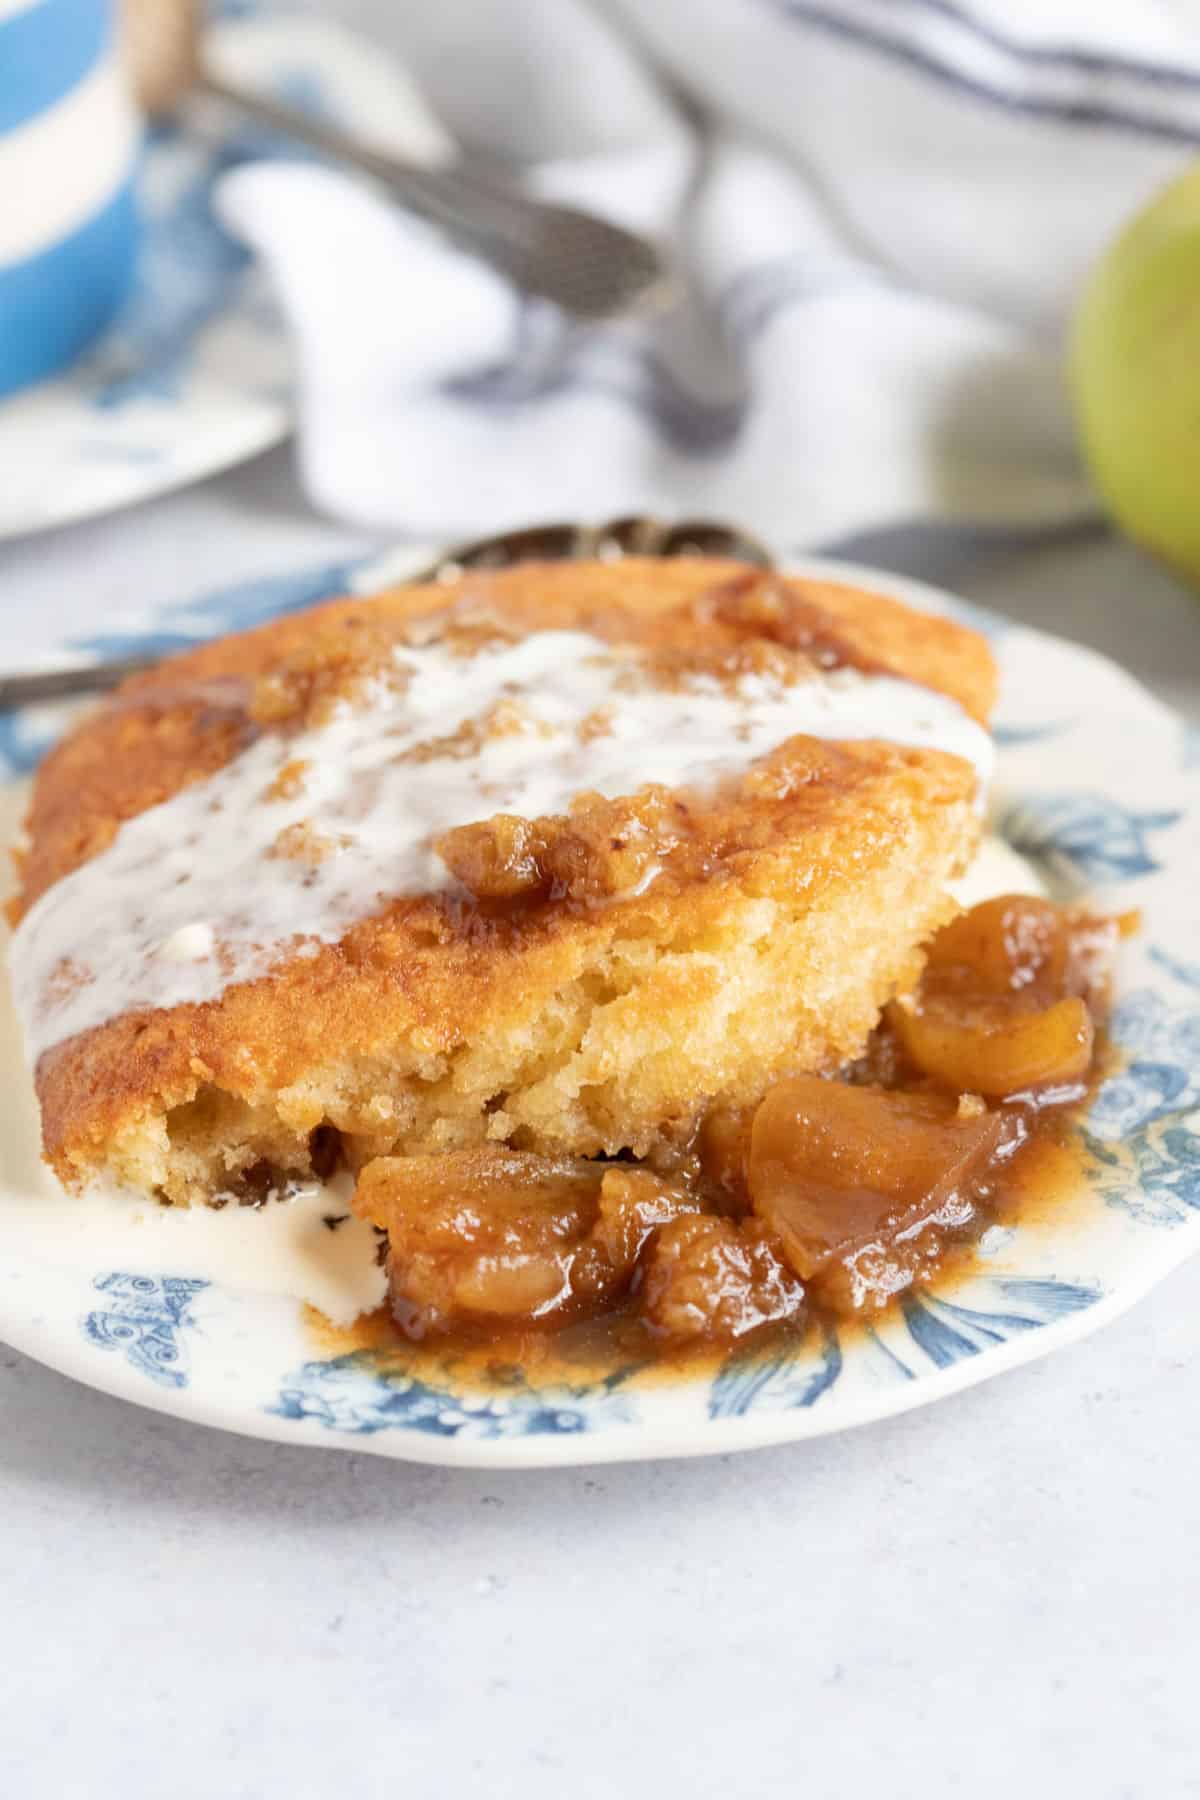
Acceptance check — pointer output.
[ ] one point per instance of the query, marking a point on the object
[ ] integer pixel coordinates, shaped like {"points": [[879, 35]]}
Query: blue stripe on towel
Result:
{"points": [[53, 304], [1061, 55], [47, 50], [1081, 111]]}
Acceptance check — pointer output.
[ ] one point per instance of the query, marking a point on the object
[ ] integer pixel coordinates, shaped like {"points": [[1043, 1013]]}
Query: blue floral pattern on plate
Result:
{"points": [[946, 1332], [1086, 837], [1008, 737], [144, 1316], [1144, 1128], [940, 1333], [358, 1394]]}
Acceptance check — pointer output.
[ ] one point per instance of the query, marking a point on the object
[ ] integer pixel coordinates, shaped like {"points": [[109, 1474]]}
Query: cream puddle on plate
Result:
{"points": [[292, 1248]]}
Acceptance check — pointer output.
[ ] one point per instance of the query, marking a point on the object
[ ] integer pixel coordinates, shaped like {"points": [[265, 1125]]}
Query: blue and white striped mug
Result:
{"points": [[68, 146]]}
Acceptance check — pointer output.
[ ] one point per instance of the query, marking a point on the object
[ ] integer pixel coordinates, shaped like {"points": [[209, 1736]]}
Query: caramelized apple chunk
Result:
{"points": [[708, 1277], [723, 1149], [1007, 1000], [600, 848], [633, 1203], [497, 858], [477, 1234], [498, 1235], [1002, 1051], [858, 1183]]}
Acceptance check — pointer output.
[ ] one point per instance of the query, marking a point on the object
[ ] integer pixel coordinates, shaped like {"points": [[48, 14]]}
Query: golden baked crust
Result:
{"points": [[790, 909]]}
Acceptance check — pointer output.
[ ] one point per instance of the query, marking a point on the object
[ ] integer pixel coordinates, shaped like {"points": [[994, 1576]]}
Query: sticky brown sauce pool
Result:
{"points": [[1037, 1190]]}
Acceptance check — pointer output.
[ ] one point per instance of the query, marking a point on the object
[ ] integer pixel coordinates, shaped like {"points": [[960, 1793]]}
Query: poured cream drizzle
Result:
{"points": [[194, 895]]}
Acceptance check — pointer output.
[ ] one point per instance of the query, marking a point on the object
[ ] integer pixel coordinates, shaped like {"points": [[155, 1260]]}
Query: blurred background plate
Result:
{"points": [[195, 374]]}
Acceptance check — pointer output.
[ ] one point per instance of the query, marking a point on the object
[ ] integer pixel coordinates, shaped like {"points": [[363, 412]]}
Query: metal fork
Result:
{"points": [[636, 535], [588, 266]]}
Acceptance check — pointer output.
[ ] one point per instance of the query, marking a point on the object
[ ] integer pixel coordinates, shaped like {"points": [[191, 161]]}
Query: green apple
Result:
{"points": [[1135, 375]]}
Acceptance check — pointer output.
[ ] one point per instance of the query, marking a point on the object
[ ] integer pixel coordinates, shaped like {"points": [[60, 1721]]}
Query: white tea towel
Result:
{"points": [[883, 209]]}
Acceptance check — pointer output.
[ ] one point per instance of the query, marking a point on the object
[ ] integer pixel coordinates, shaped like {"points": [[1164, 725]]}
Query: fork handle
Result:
{"points": [[488, 215], [64, 684], [639, 535]]}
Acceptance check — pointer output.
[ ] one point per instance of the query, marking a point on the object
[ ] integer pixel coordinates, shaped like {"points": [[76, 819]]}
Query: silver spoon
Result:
{"points": [[634, 536]]}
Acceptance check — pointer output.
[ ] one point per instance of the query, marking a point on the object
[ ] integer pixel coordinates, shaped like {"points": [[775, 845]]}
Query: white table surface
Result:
{"points": [[995, 1595]]}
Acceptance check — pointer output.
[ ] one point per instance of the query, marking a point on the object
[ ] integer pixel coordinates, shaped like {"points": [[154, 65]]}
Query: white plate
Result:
{"points": [[1094, 786], [195, 375]]}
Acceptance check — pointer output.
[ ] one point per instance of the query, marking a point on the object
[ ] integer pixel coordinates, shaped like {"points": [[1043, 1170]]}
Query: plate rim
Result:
{"points": [[625, 1443]]}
